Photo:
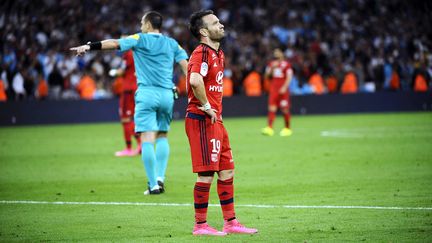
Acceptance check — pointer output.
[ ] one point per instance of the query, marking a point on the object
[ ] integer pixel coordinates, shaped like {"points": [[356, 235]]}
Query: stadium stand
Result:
{"points": [[384, 45]]}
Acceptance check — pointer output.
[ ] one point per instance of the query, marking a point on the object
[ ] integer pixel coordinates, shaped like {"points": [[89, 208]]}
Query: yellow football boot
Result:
{"points": [[268, 131], [285, 132]]}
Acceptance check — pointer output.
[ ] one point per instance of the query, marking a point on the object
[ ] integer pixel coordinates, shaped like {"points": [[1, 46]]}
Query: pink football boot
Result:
{"points": [[234, 227], [205, 229], [126, 153]]}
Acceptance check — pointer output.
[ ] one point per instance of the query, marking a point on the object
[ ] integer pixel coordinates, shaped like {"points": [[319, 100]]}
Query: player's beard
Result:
{"points": [[217, 37]]}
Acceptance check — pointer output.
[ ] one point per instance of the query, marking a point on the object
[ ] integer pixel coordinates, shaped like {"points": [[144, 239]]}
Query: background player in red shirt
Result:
{"points": [[127, 104], [280, 73], [208, 138]]}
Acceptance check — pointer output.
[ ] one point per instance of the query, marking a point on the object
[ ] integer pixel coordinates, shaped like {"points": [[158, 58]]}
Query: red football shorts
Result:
{"points": [[127, 104], [279, 100], [209, 144]]}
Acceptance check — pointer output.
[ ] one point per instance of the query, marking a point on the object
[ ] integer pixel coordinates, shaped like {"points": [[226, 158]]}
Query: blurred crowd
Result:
{"points": [[334, 46]]}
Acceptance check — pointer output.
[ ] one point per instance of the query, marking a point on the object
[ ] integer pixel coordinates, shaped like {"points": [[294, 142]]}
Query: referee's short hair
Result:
{"points": [[155, 19]]}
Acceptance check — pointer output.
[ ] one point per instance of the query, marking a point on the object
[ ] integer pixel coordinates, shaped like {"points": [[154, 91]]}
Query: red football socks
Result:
{"points": [[225, 191], [128, 132], [270, 118], [201, 197], [287, 117]]}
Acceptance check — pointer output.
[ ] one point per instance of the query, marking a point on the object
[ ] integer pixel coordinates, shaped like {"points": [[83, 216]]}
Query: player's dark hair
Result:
{"points": [[196, 22], [155, 19]]}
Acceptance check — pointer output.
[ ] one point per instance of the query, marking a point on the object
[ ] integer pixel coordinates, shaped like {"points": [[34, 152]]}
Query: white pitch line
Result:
{"points": [[377, 132], [341, 134], [216, 205]]}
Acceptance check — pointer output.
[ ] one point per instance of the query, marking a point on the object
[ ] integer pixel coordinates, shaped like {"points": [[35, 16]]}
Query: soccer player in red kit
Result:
{"points": [[208, 138], [127, 104], [280, 73]]}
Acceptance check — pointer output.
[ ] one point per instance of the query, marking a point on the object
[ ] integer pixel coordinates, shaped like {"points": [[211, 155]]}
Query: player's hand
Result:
{"points": [[80, 50], [210, 112]]}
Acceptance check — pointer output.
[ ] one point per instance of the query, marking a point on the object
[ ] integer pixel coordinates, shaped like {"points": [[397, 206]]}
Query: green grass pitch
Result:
{"points": [[378, 160]]}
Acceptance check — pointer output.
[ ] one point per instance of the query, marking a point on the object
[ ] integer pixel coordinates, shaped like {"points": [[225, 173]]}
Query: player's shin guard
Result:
{"points": [[225, 191], [149, 160], [201, 197], [162, 154], [270, 118]]}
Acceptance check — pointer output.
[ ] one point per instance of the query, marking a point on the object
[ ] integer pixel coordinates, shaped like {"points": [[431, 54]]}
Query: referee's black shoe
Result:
{"points": [[149, 191], [161, 186]]}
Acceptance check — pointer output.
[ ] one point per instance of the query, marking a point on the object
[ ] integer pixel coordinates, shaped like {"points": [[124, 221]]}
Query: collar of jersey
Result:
{"points": [[217, 51]]}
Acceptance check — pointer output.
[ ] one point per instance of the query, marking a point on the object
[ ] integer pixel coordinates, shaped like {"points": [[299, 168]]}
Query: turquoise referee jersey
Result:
{"points": [[154, 56]]}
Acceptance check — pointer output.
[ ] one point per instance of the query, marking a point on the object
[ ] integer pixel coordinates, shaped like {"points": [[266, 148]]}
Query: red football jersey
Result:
{"points": [[210, 64], [129, 78], [279, 71]]}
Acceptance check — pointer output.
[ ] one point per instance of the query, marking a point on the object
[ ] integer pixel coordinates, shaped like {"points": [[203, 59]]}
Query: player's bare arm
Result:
{"points": [[183, 65], [284, 88], [110, 44], [197, 85]]}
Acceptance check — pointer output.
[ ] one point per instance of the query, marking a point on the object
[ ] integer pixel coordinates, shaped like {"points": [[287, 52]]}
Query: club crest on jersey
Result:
{"points": [[204, 69], [219, 77], [214, 157], [219, 81]]}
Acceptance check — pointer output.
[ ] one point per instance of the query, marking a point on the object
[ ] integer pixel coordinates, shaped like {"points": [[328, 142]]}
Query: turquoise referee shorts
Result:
{"points": [[153, 109]]}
